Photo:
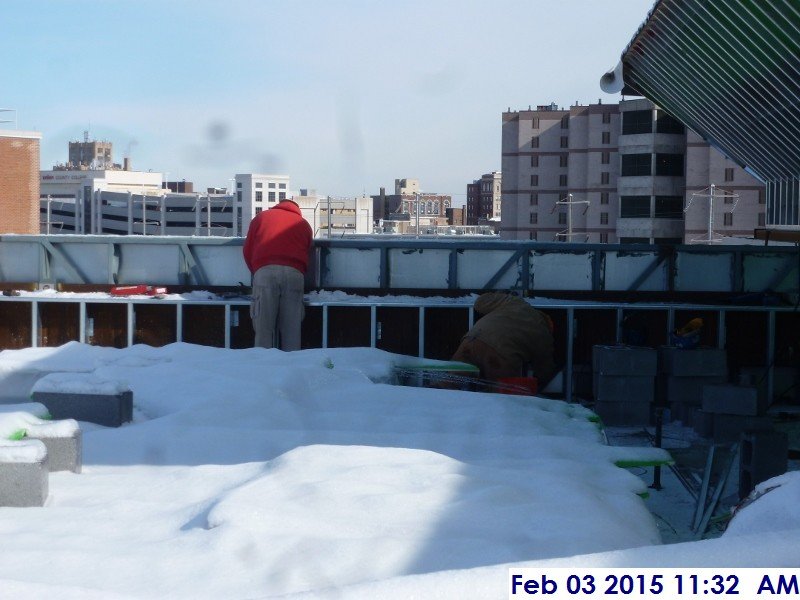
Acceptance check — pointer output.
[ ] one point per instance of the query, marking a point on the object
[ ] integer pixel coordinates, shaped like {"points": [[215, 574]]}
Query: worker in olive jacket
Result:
{"points": [[511, 336]]}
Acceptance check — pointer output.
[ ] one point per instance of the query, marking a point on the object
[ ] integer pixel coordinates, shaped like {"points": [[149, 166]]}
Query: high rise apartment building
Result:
{"points": [[484, 198], [552, 153], [626, 172]]}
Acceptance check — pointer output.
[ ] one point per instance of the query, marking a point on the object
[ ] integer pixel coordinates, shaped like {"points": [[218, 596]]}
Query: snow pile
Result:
{"points": [[254, 473], [771, 507], [80, 383]]}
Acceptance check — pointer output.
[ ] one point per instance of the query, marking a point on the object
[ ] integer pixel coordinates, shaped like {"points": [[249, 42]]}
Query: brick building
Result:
{"points": [[19, 181]]}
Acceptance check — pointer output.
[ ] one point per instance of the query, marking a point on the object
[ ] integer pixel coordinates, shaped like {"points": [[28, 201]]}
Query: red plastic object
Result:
{"points": [[518, 386]]}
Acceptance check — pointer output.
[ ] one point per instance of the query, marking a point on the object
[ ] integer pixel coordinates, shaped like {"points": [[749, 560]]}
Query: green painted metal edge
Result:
{"points": [[630, 463], [643, 495], [450, 366], [18, 435]]}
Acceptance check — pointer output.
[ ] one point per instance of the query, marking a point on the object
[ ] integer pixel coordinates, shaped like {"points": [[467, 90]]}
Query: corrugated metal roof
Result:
{"points": [[730, 70]]}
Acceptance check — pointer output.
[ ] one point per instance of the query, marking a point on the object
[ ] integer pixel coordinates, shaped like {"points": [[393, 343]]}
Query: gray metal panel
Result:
{"points": [[475, 267], [423, 268], [90, 260], [562, 271], [770, 272], [222, 265], [622, 268], [143, 263], [698, 272], [352, 268], [21, 261]]}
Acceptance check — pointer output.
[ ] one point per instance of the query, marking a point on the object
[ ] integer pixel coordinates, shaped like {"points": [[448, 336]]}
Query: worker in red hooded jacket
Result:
{"points": [[276, 252]]}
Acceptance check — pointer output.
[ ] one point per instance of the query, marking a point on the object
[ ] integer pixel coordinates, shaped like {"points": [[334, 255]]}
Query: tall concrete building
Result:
{"points": [[550, 153], [255, 193], [19, 181], [90, 154], [625, 172]]}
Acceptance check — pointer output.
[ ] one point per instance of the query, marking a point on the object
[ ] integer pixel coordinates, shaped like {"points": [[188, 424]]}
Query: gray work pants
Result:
{"points": [[277, 300]]}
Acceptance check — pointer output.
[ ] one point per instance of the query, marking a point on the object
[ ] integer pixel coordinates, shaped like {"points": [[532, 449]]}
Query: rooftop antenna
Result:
{"points": [[14, 110], [568, 201], [85, 136], [711, 236]]}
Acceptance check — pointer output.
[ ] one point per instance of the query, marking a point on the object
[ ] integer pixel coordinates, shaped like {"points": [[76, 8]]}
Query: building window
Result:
{"points": [[281, 195], [562, 180], [637, 121], [272, 196], [604, 236], [239, 185], [631, 207], [534, 199], [728, 198], [259, 196], [605, 158], [259, 185], [534, 160], [535, 141], [728, 219], [281, 186], [762, 219], [666, 123], [562, 218], [258, 209], [633, 165], [606, 117], [563, 160], [761, 199], [534, 180], [669, 207], [603, 197], [564, 141], [271, 184], [436, 207], [604, 178], [670, 165], [729, 174], [606, 137], [534, 220], [604, 218], [565, 122], [535, 123], [532, 236], [239, 196]]}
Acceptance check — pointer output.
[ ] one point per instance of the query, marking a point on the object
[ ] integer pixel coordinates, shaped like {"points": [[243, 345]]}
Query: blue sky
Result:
{"points": [[344, 96]]}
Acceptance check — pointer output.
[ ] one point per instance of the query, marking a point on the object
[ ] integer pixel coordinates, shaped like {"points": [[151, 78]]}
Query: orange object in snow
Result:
{"points": [[518, 386], [133, 290]]}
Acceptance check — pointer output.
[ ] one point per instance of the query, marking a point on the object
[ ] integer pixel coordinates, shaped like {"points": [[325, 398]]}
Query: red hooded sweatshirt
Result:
{"points": [[278, 236]]}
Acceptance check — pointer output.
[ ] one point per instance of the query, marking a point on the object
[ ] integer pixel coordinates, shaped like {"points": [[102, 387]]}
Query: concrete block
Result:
{"points": [[703, 423], [111, 410], [23, 473], [732, 400], [729, 428], [692, 362], [688, 390], [624, 360], [617, 388], [64, 447], [764, 454], [623, 414]]}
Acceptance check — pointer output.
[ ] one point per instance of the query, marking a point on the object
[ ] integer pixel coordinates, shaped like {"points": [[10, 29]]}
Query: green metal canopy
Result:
{"points": [[730, 70]]}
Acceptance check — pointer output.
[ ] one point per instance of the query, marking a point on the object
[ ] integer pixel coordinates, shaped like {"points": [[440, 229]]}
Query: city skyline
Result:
{"points": [[342, 98]]}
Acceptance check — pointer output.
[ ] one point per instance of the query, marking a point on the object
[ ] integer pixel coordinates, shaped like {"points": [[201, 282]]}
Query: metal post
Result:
{"points": [[131, 323], [329, 217], [570, 343], [711, 215], [325, 326], [659, 414], [82, 322], [178, 322], [373, 322], [416, 200], [227, 325], [34, 324], [421, 331]]}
